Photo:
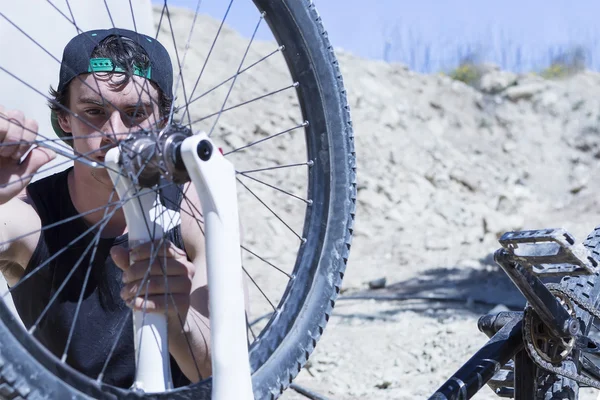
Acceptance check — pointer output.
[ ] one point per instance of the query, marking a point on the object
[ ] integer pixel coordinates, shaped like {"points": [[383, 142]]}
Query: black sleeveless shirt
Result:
{"points": [[103, 317]]}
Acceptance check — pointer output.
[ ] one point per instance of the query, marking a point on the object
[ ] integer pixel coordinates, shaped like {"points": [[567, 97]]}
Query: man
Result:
{"points": [[112, 82]]}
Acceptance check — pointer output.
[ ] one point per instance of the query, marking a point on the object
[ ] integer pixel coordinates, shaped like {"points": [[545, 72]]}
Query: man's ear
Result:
{"points": [[64, 122]]}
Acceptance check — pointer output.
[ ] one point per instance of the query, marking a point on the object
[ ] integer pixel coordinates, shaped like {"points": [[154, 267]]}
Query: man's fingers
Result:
{"points": [[137, 270], [150, 250], [34, 161], [160, 303], [13, 135], [29, 135], [3, 121], [120, 256], [157, 285]]}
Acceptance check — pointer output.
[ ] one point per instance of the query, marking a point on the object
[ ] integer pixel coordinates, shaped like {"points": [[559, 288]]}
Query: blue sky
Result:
{"points": [[435, 34]]}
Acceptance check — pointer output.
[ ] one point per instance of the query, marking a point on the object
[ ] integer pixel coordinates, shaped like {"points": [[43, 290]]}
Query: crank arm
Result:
{"points": [[546, 305], [549, 252]]}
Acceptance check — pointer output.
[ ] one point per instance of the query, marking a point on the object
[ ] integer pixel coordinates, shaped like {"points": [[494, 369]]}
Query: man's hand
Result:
{"points": [[166, 259], [16, 136]]}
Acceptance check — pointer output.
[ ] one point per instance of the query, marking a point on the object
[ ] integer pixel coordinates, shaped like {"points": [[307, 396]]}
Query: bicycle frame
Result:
{"points": [[214, 179], [505, 344]]}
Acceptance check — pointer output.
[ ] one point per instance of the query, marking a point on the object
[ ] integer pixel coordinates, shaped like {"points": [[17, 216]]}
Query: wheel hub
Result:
{"points": [[147, 156]]}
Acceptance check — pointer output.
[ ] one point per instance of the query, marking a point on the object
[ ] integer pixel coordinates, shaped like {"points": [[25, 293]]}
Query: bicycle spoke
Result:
{"points": [[262, 317], [169, 296], [262, 15], [184, 196], [249, 328], [184, 211], [302, 125], [182, 64], [280, 48], [309, 164], [162, 13], [245, 103], [212, 46], [272, 212], [267, 262], [126, 317], [112, 22], [307, 201], [62, 13], [144, 312], [177, 58], [259, 289], [198, 221], [72, 16], [85, 281], [133, 16]]}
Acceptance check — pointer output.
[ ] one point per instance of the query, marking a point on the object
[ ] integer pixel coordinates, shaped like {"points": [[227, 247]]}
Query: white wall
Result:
{"points": [[44, 24]]}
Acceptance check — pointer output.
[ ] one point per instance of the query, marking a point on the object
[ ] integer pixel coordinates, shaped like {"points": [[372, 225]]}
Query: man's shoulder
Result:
{"points": [[44, 190]]}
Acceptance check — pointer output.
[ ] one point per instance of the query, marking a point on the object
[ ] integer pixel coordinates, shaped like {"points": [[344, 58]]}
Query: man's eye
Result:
{"points": [[94, 111], [137, 114]]}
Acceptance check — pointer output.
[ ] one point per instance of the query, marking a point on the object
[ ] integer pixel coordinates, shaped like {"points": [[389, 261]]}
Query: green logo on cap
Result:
{"points": [[106, 65]]}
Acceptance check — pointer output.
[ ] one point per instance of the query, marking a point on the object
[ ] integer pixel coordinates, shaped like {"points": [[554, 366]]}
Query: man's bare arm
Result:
{"points": [[19, 223], [19, 234]]}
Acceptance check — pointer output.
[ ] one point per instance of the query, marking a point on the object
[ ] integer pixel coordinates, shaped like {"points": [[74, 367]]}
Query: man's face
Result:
{"points": [[108, 112]]}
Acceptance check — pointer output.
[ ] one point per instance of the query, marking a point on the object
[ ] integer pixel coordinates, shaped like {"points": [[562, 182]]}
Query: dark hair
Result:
{"points": [[124, 53]]}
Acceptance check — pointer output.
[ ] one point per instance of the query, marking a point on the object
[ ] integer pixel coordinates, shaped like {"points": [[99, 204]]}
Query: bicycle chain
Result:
{"points": [[558, 370]]}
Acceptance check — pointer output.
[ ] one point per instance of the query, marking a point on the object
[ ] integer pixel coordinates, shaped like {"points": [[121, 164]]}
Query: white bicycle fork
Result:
{"points": [[214, 179]]}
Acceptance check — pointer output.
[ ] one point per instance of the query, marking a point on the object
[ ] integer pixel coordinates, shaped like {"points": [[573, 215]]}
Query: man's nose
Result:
{"points": [[115, 128]]}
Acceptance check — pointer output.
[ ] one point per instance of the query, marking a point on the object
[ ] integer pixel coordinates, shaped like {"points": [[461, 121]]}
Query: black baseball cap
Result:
{"points": [[77, 60]]}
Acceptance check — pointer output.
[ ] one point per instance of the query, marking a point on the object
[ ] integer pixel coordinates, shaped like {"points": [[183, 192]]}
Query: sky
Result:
{"points": [[435, 34]]}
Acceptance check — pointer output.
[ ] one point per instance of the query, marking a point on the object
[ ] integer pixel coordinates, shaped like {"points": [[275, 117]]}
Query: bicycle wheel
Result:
{"points": [[300, 162]]}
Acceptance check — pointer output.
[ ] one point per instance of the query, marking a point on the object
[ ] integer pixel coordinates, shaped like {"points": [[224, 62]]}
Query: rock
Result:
{"points": [[524, 92], [377, 283], [383, 385], [497, 81]]}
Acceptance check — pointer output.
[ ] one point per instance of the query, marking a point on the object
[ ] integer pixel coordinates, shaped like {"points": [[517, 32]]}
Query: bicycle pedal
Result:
{"points": [[549, 252]]}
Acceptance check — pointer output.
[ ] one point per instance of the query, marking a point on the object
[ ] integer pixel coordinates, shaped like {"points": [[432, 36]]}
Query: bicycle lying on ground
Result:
{"points": [[145, 163], [551, 349]]}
